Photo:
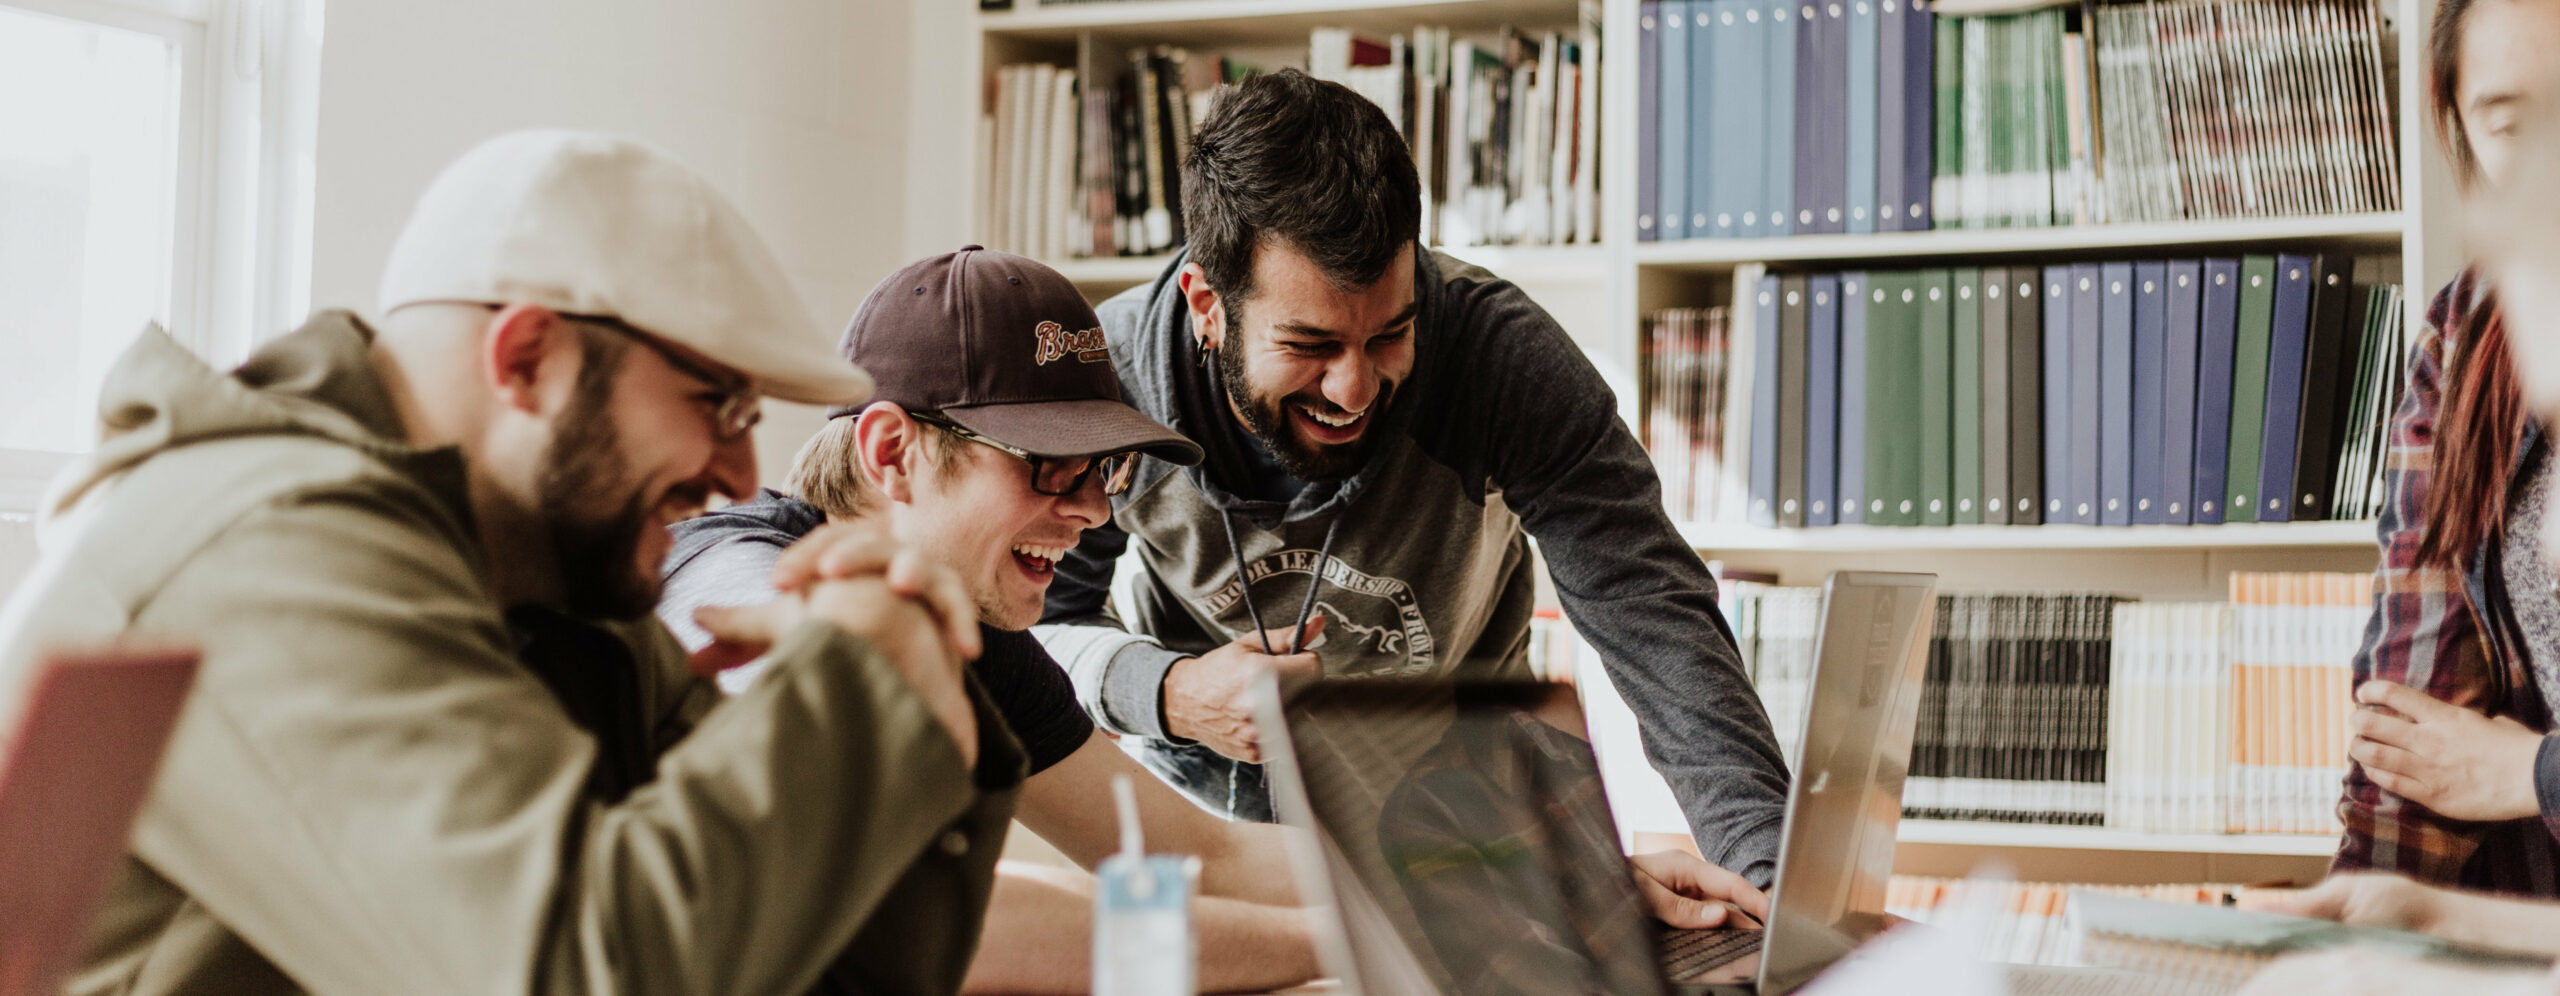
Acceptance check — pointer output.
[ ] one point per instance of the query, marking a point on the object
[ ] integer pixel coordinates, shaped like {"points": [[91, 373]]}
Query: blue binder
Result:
{"points": [[1735, 184], [1822, 396], [2150, 397], [1764, 405], [1890, 107], [1822, 139], [2183, 293], [1850, 507], [1648, 120], [1709, 145], [2217, 340], [1672, 194], [2057, 395], [1777, 80], [2288, 340], [2115, 394], [1919, 62], [2088, 372], [1861, 164]]}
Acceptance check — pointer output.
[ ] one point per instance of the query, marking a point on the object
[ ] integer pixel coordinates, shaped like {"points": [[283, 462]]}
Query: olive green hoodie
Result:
{"points": [[370, 793]]}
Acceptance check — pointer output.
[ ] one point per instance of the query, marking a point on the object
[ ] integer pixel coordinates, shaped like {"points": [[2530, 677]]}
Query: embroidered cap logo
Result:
{"points": [[1056, 343]]}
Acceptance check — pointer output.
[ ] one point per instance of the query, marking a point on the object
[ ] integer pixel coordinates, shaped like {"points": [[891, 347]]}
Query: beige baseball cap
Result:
{"points": [[592, 224]]}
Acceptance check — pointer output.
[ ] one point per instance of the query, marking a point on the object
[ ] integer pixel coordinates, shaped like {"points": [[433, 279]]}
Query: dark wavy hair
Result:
{"points": [[1290, 159]]}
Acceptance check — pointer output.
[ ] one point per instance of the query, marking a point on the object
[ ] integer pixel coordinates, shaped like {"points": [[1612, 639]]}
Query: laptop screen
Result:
{"points": [[1837, 857], [1470, 849]]}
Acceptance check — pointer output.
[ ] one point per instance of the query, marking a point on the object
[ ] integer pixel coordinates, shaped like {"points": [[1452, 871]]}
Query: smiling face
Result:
{"points": [[632, 452], [975, 512], [1310, 366]]}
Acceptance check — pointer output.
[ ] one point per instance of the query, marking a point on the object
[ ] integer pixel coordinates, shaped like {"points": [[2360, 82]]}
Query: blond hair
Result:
{"points": [[827, 473]]}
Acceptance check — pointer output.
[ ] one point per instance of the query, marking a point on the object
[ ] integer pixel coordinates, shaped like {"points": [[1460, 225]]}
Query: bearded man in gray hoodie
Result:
{"points": [[1385, 429]]}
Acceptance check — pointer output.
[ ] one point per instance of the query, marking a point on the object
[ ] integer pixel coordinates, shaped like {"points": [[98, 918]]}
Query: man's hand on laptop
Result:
{"points": [[1690, 893], [1209, 698]]}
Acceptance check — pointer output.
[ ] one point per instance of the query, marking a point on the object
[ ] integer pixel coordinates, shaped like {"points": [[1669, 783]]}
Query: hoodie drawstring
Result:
{"points": [[1244, 585]]}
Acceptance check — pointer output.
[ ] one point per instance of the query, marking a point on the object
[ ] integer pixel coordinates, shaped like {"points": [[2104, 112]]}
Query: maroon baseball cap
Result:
{"points": [[1006, 348]]}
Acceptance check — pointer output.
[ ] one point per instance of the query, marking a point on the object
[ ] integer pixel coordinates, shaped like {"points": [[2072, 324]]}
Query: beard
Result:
{"points": [[1268, 417], [596, 559]]}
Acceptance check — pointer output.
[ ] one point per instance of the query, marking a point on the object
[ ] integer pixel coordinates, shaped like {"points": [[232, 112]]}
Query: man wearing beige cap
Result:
{"points": [[438, 745]]}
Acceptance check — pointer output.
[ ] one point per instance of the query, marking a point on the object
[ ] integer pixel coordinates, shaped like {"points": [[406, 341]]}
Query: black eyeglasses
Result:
{"points": [[740, 406], [1056, 477]]}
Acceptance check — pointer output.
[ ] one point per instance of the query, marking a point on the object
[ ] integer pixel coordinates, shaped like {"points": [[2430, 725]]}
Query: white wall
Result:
{"points": [[797, 109]]}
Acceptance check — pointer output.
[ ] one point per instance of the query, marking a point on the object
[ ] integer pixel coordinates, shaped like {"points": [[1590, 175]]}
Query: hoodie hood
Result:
{"points": [[317, 381]]}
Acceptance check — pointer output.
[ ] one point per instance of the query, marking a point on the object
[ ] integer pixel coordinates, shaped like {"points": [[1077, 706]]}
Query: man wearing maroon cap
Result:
{"points": [[995, 438]]}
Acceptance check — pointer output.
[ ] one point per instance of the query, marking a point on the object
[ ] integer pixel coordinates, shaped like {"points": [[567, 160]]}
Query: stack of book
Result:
{"points": [[2013, 142], [2032, 923], [1505, 136], [1774, 629], [2013, 713], [2171, 392], [1079, 169], [1684, 353], [2088, 710], [2232, 717], [1761, 119], [2246, 108]]}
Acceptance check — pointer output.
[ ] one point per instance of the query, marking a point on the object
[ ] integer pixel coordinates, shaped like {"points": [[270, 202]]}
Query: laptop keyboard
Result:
{"points": [[1688, 954]]}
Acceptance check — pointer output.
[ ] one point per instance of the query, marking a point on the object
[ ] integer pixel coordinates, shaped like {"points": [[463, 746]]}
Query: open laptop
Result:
{"points": [[75, 764], [1462, 837]]}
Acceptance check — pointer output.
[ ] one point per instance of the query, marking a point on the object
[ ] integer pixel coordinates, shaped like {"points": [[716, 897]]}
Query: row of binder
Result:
{"points": [[1761, 118], [2158, 392]]}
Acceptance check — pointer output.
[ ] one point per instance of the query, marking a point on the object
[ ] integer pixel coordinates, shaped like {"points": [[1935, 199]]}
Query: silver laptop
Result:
{"points": [[1461, 837]]}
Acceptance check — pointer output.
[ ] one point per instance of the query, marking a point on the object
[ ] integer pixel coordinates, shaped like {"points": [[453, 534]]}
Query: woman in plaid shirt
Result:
{"points": [[2455, 780]]}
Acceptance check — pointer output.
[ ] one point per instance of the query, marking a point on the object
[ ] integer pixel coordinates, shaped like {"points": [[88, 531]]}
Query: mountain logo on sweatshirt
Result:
{"points": [[1373, 625]]}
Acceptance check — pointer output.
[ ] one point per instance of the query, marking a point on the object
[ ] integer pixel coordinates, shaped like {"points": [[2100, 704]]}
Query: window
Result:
{"points": [[154, 168]]}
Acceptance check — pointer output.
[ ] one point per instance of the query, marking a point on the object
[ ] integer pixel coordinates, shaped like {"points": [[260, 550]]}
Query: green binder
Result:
{"points": [[1966, 331], [1937, 410], [2249, 385], [1893, 400]]}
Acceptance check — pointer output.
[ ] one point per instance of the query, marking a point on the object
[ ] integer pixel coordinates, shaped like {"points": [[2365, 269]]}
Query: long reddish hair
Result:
{"points": [[2482, 418], [2477, 432]]}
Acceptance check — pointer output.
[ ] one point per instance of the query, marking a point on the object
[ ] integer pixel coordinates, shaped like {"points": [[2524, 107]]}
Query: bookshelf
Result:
{"points": [[1729, 538], [2300, 845], [1600, 293]]}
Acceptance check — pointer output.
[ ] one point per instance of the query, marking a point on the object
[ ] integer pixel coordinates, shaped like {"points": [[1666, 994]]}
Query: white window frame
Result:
{"points": [[240, 267]]}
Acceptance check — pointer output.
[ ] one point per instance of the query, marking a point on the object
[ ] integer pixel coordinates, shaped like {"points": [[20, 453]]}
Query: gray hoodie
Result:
{"points": [[1503, 432]]}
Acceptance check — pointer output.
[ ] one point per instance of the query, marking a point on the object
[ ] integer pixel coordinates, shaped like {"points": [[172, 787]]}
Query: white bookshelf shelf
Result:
{"points": [[1719, 537], [1958, 833], [2383, 230], [1539, 264], [1125, 271], [1212, 22], [1525, 264]]}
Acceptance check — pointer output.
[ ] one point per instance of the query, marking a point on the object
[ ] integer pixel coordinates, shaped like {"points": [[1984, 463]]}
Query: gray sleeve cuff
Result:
{"points": [[1754, 855], [1133, 690], [2546, 779]]}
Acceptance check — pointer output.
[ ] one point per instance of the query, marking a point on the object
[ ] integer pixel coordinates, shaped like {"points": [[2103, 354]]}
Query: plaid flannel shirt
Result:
{"points": [[2435, 630]]}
